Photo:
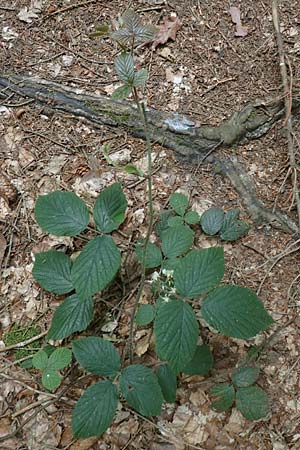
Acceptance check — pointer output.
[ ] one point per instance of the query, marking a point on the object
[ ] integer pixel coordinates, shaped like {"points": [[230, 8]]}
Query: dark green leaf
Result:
{"points": [[235, 311], [60, 358], [140, 78], [168, 382], [122, 36], [233, 228], [110, 208], [201, 363], [226, 396], [179, 203], [51, 379], [97, 355], [253, 402], [136, 33], [170, 264], [177, 240], [40, 360], [141, 390], [74, 314], [176, 333], [145, 315], [199, 271], [153, 255], [61, 213], [95, 410], [192, 217], [52, 270], [96, 266], [131, 20], [125, 67], [175, 220], [121, 92], [162, 225], [245, 376], [211, 220]]}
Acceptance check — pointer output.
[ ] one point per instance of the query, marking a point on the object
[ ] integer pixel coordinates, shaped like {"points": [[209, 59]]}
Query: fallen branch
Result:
{"points": [[190, 142]]}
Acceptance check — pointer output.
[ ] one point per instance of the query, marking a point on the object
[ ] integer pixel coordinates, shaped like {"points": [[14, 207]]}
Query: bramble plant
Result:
{"points": [[186, 280]]}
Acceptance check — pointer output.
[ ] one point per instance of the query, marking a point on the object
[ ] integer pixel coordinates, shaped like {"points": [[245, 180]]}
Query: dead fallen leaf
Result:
{"points": [[28, 14], [236, 18], [167, 30], [84, 444]]}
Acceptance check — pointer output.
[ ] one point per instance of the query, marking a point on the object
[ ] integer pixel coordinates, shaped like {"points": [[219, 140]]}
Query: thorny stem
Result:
{"points": [[143, 114]]}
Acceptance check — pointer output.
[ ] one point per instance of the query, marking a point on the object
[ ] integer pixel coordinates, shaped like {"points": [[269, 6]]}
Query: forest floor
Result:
{"points": [[206, 73]]}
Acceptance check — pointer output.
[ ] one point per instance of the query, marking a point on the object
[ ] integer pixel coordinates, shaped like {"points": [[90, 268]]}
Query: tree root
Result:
{"points": [[190, 142]]}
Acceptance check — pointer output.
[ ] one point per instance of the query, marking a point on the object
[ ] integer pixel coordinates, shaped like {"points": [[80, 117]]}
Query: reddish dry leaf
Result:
{"points": [[236, 18], [167, 30]]}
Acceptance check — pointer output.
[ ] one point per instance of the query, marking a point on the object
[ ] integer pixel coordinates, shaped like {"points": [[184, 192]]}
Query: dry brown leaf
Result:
{"points": [[236, 18], [167, 30], [84, 444]]}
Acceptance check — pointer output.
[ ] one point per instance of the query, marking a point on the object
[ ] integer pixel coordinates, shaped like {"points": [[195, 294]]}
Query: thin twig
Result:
{"points": [[68, 8], [287, 252], [287, 103]]}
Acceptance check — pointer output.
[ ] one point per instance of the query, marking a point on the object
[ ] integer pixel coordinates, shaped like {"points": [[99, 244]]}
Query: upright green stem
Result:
{"points": [[143, 113]]}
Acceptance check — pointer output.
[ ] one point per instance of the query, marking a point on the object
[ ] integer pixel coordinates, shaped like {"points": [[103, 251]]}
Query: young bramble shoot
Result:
{"points": [[184, 275]]}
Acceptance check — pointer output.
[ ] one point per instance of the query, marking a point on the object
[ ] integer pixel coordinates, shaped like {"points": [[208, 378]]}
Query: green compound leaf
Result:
{"points": [[177, 240], [95, 410], [168, 382], [110, 208], [176, 333], [211, 220], [60, 358], [199, 271], [121, 92], [74, 314], [236, 312], [233, 228], [97, 356], [245, 376], [192, 217], [141, 390], [61, 213], [52, 270], [124, 65], [253, 402], [226, 396], [153, 255], [40, 360], [145, 315], [96, 266], [51, 379], [202, 361], [179, 203], [140, 77]]}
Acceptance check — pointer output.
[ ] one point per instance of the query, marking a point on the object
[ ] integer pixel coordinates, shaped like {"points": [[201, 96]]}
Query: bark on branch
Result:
{"points": [[190, 142]]}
